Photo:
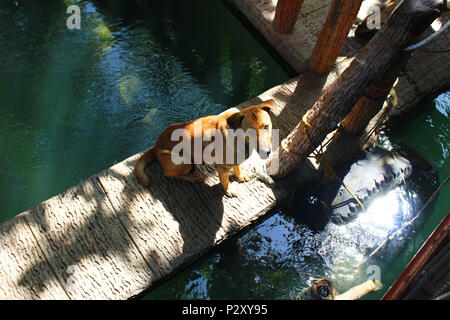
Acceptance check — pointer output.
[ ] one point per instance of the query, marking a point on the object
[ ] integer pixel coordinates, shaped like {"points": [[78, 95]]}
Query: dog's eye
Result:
{"points": [[266, 127]]}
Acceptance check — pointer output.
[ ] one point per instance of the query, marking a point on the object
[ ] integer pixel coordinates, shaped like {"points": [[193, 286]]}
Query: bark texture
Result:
{"points": [[286, 14], [334, 32]]}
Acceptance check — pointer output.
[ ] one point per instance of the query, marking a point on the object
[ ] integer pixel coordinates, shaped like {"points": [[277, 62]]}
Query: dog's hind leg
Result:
{"points": [[182, 171], [192, 176]]}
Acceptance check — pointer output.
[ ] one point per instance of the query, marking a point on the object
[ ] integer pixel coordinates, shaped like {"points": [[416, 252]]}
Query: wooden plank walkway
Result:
{"points": [[110, 238]]}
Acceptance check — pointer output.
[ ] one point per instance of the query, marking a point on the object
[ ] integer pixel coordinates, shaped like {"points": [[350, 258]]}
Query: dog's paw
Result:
{"points": [[243, 177], [230, 193]]}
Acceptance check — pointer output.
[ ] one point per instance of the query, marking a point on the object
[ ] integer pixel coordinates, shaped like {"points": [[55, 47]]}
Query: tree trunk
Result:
{"points": [[334, 32], [409, 20], [286, 15]]}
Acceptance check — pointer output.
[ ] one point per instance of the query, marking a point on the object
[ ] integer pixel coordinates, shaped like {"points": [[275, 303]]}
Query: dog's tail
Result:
{"points": [[140, 165]]}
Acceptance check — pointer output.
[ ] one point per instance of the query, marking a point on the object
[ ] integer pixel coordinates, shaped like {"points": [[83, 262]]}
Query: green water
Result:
{"points": [[427, 131], [74, 102]]}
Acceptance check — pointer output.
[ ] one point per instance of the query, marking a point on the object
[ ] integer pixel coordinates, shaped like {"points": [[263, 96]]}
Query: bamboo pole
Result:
{"points": [[286, 14], [334, 32], [408, 21]]}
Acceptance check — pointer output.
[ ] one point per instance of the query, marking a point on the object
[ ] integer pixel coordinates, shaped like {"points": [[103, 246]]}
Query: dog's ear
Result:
{"points": [[268, 105], [235, 120]]}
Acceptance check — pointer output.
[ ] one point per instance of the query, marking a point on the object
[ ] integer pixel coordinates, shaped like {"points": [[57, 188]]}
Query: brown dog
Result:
{"points": [[232, 131]]}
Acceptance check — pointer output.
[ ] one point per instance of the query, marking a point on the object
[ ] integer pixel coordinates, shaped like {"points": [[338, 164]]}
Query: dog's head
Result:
{"points": [[255, 122]]}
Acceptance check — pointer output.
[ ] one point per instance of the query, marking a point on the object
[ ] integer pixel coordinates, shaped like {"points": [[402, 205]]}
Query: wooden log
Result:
{"points": [[286, 15], [334, 32], [360, 291], [373, 98], [409, 20]]}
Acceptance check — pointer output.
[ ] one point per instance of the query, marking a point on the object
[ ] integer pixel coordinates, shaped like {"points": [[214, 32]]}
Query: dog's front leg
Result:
{"points": [[224, 176], [240, 174]]}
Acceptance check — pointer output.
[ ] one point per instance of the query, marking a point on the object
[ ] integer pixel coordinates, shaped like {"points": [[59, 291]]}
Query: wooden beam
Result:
{"points": [[409, 20], [286, 14], [398, 289], [334, 32]]}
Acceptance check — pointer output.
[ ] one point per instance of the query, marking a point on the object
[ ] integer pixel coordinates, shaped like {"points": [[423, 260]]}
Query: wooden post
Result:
{"points": [[408, 21], [334, 32], [373, 98], [286, 15]]}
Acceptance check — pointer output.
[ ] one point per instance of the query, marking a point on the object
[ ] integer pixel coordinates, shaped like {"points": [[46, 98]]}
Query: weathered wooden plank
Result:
{"points": [[84, 247], [297, 46], [19, 253], [293, 47]]}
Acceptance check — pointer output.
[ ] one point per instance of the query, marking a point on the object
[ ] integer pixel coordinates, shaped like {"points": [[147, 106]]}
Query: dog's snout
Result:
{"points": [[264, 153]]}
